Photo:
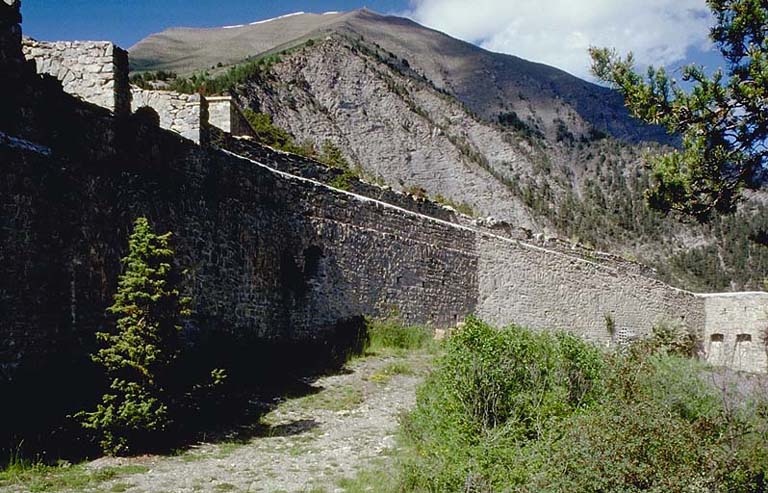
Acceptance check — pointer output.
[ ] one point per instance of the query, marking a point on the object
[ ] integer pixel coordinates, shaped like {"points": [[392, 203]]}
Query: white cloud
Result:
{"points": [[559, 32]]}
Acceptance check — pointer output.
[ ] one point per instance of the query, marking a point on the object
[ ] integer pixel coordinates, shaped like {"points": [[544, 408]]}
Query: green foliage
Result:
{"points": [[343, 181], [38, 477], [391, 333], [515, 410], [461, 207], [723, 120], [203, 83], [512, 120], [141, 355], [331, 155], [270, 134], [418, 192], [738, 261], [145, 79], [609, 213], [666, 339]]}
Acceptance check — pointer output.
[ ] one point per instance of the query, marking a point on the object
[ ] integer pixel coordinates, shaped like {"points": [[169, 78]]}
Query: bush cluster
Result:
{"points": [[516, 410]]}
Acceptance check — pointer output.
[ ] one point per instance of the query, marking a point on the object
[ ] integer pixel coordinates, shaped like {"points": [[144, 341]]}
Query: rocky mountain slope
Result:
{"points": [[419, 111], [488, 83]]}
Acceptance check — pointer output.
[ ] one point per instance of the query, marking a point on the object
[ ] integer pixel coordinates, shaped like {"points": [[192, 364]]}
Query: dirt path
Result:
{"points": [[312, 443]]}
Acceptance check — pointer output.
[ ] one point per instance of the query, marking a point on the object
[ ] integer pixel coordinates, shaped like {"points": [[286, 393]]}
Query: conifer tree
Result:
{"points": [[723, 119], [139, 356]]}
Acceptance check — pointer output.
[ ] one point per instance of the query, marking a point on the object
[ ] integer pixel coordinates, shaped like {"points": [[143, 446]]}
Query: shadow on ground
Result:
{"points": [[37, 423]]}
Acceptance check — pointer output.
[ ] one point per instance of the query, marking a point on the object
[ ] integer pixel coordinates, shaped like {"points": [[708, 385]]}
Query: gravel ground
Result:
{"points": [[310, 444]]}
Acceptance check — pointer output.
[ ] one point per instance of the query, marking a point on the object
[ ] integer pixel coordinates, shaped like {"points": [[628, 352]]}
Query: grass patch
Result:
{"points": [[225, 487], [41, 478], [381, 478], [385, 374], [120, 487], [333, 399], [393, 334]]}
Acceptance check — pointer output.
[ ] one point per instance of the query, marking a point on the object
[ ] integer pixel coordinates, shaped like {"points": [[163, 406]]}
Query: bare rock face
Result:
{"points": [[397, 129]]}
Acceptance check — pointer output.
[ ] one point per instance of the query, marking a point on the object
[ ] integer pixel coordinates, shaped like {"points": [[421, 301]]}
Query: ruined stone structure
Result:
{"points": [[736, 330], [274, 252], [97, 72], [223, 113], [185, 114], [94, 71]]}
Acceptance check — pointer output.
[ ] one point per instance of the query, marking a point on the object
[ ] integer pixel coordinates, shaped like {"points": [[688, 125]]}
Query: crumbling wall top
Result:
{"points": [[95, 71]]}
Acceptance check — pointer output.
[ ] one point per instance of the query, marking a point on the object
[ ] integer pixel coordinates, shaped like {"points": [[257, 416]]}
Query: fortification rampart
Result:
{"points": [[95, 71], [275, 255]]}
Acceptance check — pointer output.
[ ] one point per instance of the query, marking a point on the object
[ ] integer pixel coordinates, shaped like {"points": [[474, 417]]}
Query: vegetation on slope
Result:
{"points": [[606, 210]]}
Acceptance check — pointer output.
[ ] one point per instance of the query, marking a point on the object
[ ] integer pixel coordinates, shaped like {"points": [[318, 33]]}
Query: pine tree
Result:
{"points": [[139, 357], [723, 119]]}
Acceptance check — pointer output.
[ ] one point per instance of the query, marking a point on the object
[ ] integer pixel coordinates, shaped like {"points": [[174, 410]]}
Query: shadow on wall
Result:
{"points": [[258, 371]]}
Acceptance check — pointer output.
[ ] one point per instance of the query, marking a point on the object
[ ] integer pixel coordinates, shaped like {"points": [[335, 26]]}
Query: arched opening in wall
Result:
{"points": [[743, 338], [717, 338], [148, 116]]}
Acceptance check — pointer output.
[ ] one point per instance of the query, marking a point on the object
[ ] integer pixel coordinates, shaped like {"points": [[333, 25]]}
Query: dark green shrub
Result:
{"points": [[491, 394]]}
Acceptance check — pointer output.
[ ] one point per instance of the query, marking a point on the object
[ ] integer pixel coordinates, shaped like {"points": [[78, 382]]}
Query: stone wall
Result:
{"points": [[736, 329], [10, 38], [224, 114], [545, 289], [95, 71], [185, 114], [274, 255]]}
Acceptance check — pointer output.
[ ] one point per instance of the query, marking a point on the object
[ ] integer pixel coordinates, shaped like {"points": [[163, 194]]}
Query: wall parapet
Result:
{"points": [[95, 71]]}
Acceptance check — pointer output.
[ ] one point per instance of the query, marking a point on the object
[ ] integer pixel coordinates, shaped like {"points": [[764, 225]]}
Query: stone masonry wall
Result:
{"points": [[224, 114], [736, 329], [185, 114], [274, 255], [545, 289], [95, 71]]}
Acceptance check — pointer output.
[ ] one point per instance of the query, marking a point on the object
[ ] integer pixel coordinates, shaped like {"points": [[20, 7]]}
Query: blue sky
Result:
{"points": [[556, 32], [127, 21]]}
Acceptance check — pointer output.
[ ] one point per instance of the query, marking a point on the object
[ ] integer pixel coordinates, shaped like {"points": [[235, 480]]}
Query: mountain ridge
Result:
{"points": [[490, 84]]}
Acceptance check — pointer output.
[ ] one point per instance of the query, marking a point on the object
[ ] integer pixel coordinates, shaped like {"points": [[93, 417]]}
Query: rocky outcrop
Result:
{"points": [[395, 128]]}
